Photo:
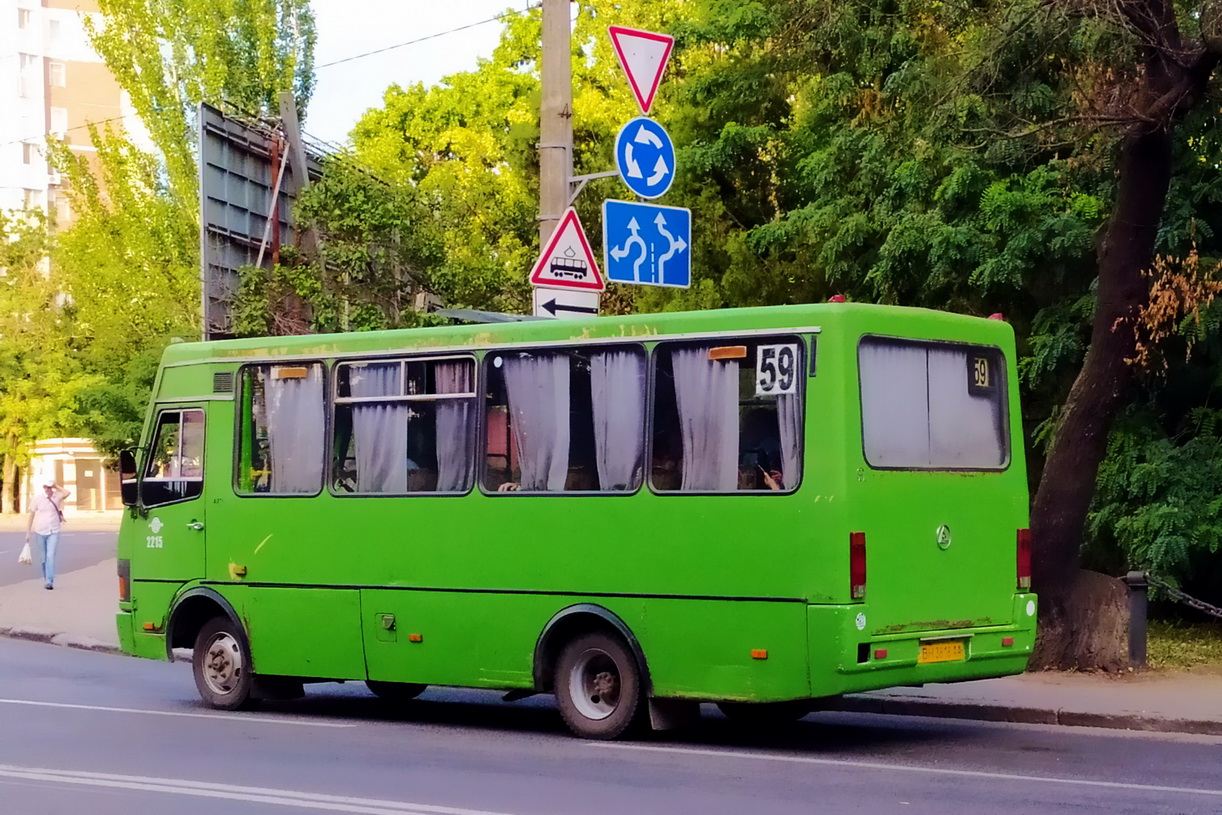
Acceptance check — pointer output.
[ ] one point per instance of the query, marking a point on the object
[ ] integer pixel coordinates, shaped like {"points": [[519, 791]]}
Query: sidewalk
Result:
{"points": [[81, 611]]}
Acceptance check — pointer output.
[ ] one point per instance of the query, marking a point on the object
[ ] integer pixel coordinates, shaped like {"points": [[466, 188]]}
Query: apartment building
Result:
{"points": [[52, 84]]}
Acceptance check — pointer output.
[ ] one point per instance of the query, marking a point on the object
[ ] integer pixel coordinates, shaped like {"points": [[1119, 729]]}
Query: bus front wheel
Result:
{"points": [[221, 664], [598, 687]]}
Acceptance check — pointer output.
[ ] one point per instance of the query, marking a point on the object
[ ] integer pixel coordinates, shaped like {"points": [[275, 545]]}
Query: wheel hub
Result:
{"points": [[223, 665], [594, 684]]}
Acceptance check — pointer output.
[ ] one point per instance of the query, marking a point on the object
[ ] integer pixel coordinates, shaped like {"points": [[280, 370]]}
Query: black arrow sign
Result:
{"points": [[552, 307]]}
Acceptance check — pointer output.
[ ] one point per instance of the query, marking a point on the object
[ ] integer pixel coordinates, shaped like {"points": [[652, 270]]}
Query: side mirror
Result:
{"points": [[129, 486]]}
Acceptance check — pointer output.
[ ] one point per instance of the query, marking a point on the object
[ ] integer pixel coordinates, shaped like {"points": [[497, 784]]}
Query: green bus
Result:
{"points": [[762, 508]]}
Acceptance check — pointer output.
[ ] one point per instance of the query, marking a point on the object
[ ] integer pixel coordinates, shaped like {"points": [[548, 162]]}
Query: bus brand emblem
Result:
{"points": [[943, 537], [155, 524]]}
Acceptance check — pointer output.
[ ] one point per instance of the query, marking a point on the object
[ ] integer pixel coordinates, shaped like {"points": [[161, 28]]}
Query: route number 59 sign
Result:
{"points": [[776, 370]]}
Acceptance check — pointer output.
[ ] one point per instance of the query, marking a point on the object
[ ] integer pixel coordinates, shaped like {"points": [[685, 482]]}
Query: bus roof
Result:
{"points": [[811, 317]]}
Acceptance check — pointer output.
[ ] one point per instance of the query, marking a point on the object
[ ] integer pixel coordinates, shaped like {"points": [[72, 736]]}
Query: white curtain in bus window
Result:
{"points": [[965, 422], [789, 423], [538, 391], [617, 390], [894, 403], [191, 460], [706, 395], [379, 429], [295, 427], [455, 426]]}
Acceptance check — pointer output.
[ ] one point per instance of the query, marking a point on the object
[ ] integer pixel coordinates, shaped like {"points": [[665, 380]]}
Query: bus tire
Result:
{"points": [[598, 687], [765, 713], [394, 691], [221, 665]]}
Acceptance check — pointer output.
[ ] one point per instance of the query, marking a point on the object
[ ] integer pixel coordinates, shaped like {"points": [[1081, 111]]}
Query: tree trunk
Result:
{"points": [[1068, 481], [9, 477]]}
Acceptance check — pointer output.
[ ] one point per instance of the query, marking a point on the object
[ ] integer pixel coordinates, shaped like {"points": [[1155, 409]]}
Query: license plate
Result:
{"points": [[948, 651]]}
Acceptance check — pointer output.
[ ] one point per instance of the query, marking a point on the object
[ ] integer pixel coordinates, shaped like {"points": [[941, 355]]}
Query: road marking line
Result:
{"points": [[239, 717], [261, 795], [878, 765]]}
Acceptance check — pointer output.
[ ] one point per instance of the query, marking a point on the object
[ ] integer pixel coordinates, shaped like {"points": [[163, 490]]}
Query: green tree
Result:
{"points": [[129, 266], [40, 375], [466, 151], [171, 55], [129, 262]]}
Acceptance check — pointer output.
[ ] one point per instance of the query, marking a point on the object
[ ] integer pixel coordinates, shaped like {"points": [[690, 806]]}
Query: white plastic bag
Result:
{"points": [[26, 557]]}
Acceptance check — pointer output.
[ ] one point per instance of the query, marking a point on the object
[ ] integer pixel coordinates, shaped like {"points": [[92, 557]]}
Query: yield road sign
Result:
{"points": [[643, 56], [567, 261], [645, 157], [647, 243], [563, 303]]}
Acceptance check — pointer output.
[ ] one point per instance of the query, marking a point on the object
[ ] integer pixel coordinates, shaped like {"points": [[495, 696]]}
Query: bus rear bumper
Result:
{"points": [[846, 656]]}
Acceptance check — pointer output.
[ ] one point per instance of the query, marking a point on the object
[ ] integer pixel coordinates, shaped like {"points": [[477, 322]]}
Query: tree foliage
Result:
{"points": [[171, 55], [465, 150], [40, 371], [129, 261]]}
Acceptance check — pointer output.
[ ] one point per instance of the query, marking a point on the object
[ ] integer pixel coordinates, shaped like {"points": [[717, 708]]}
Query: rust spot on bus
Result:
{"points": [[934, 625]]}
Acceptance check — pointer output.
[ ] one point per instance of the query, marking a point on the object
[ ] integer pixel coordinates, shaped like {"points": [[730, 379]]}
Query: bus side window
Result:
{"points": [[281, 430], [175, 470], [404, 426], [565, 421], [728, 416]]}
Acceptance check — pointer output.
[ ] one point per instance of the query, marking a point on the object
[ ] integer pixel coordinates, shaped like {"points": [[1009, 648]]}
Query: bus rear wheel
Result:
{"points": [[221, 665], [766, 713], [598, 687], [394, 691]]}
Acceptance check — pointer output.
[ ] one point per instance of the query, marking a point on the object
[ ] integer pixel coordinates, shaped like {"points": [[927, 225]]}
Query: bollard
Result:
{"points": [[1139, 588]]}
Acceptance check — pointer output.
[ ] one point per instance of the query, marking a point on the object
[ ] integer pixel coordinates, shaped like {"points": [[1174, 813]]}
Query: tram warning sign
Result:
{"points": [[567, 261], [643, 56]]}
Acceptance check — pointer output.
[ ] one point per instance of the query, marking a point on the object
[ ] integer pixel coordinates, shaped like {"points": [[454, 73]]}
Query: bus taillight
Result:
{"points": [[1024, 559], [857, 565]]}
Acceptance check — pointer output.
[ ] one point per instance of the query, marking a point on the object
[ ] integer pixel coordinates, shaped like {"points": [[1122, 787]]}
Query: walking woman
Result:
{"points": [[46, 514]]}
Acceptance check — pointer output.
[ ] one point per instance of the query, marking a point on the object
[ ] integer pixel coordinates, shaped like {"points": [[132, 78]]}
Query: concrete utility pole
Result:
{"points": [[555, 117]]}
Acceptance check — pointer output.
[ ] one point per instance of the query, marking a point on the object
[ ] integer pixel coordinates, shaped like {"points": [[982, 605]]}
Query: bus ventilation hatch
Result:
{"points": [[222, 382]]}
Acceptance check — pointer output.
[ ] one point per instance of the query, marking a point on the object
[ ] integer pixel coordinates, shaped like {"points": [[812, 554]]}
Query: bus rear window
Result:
{"points": [[932, 406]]}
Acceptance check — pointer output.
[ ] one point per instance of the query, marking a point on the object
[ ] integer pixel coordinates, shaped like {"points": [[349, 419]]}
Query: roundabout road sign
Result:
{"points": [[645, 157]]}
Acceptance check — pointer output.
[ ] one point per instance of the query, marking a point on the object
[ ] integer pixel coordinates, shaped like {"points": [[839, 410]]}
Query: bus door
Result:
{"points": [[171, 545]]}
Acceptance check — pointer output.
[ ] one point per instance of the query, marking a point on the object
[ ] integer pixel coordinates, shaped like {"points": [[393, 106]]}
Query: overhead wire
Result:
{"points": [[502, 16]]}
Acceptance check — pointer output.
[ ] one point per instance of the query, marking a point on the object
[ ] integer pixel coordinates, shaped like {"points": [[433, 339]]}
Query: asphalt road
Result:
{"points": [[84, 732], [78, 549]]}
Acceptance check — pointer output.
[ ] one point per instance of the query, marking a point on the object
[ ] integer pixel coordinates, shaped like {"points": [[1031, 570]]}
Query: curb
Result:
{"points": [[55, 638], [988, 712]]}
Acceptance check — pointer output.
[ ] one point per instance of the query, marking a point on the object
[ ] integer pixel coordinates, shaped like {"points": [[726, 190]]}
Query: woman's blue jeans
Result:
{"points": [[48, 543]]}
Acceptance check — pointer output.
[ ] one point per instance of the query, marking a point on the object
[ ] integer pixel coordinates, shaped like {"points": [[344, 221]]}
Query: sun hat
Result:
{"points": [[48, 482]]}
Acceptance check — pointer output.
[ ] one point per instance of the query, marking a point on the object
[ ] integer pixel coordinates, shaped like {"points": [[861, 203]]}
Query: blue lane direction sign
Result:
{"points": [[647, 244], [645, 157]]}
